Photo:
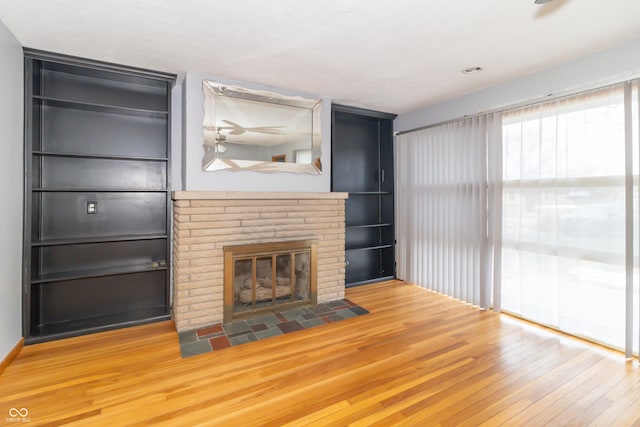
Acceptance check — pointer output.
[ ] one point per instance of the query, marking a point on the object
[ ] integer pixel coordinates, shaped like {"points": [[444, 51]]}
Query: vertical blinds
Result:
{"points": [[443, 210], [531, 210]]}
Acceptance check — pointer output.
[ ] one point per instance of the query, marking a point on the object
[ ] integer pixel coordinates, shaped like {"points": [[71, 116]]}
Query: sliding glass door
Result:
{"points": [[566, 216], [540, 202]]}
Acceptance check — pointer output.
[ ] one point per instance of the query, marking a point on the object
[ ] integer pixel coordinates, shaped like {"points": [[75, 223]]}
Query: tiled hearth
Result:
{"points": [[205, 222], [219, 337]]}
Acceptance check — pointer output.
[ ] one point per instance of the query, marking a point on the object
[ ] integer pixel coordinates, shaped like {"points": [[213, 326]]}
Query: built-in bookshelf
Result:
{"points": [[362, 165], [97, 196]]}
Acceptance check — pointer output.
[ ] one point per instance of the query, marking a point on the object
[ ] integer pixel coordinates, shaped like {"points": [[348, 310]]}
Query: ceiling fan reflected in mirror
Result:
{"points": [[237, 129], [219, 137], [218, 145], [254, 125]]}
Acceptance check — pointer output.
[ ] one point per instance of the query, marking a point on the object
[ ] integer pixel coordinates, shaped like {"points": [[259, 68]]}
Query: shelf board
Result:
{"points": [[105, 239], [58, 330], [369, 225], [96, 272], [101, 108], [98, 156], [88, 68], [365, 280], [368, 248], [97, 190], [369, 193]]}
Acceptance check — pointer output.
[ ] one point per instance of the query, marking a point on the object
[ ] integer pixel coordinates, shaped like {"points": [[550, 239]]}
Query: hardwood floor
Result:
{"points": [[417, 359]]}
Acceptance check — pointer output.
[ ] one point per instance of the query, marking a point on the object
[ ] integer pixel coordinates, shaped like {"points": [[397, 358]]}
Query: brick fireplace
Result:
{"points": [[204, 223]]}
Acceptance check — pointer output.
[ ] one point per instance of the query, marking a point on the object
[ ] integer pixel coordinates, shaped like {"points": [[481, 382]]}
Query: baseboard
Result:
{"points": [[12, 355]]}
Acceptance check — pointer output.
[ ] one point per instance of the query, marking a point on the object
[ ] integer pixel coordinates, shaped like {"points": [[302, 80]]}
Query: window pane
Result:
{"points": [[564, 215]]}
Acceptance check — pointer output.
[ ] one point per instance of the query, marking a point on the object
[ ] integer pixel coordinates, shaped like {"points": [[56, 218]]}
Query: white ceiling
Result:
{"points": [[390, 55]]}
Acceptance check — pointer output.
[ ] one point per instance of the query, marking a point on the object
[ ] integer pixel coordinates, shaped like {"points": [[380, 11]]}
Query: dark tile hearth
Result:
{"points": [[221, 336], [217, 329], [290, 326], [217, 343], [259, 327]]}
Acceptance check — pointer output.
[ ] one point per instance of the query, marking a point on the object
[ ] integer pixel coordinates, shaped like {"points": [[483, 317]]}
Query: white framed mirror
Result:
{"points": [[260, 130]]}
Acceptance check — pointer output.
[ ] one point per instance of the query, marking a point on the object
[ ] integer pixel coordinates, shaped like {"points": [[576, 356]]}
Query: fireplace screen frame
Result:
{"points": [[254, 251]]}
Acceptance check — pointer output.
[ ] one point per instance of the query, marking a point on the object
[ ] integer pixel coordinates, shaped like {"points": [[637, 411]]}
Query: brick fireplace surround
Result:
{"points": [[205, 222]]}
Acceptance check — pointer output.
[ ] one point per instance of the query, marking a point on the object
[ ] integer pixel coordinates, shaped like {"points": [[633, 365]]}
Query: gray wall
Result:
{"points": [[195, 179], [604, 67], [288, 149], [176, 136], [11, 160]]}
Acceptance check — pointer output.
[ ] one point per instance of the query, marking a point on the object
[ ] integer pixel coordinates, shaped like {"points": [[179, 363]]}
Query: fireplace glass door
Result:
{"points": [[266, 279]]}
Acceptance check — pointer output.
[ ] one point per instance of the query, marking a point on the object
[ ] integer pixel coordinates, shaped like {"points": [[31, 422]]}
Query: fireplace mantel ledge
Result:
{"points": [[255, 195]]}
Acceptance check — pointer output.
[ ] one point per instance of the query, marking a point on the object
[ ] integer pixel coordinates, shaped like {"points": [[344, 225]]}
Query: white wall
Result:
{"points": [[195, 179], [11, 167], [604, 67]]}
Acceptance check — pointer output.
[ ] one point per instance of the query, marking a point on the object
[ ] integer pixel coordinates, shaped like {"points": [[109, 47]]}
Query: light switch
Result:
{"points": [[92, 207]]}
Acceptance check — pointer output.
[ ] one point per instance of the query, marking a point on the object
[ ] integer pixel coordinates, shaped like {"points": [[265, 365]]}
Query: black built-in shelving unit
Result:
{"points": [[362, 165], [97, 196]]}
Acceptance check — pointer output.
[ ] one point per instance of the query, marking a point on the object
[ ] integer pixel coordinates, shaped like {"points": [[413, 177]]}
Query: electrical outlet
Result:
{"points": [[92, 207]]}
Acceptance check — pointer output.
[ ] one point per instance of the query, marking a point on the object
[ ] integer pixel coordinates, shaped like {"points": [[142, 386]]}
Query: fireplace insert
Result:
{"points": [[268, 277]]}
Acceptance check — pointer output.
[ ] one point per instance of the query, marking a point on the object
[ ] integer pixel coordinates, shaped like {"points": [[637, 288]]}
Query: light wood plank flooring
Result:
{"points": [[417, 359]]}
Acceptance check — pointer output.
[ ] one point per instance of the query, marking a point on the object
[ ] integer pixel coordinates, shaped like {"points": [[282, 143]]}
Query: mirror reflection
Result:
{"points": [[260, 130]]}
